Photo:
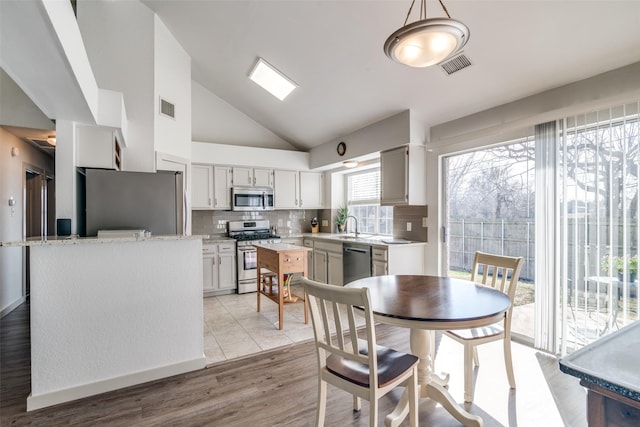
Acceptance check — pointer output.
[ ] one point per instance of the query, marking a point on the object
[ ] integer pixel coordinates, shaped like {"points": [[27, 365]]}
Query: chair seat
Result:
{"points": [[478, 333], [391, 364]]}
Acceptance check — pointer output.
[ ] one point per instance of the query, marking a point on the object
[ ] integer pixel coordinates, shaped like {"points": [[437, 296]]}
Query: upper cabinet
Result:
{"points": [[252, 177], [287, 188], [98, 147], [311, 190], [211, 186], [201, 186], [403, 176], [298, 190], [221, 187]]}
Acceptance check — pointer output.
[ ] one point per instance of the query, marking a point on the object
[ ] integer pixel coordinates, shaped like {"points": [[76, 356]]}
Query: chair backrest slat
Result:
{"points": [[327, 322], [498, 271]]}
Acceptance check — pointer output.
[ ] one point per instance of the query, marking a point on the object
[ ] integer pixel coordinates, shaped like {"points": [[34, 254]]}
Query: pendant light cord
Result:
{"points": [[445, 9], [423, 10]]}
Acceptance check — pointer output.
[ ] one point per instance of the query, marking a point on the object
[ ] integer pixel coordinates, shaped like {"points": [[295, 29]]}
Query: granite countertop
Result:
{"points": [[75, 240], [217, 239], [368, 239], [610, 362]]}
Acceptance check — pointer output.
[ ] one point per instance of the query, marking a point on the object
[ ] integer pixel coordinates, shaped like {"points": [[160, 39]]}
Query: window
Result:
{"points": [[363, 202]]}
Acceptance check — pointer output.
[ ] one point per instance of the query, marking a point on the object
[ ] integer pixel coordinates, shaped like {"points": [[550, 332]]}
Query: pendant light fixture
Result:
{"points": [[428, 41]]}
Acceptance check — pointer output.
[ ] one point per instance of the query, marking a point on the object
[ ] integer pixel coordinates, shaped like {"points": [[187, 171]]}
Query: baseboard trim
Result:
{"points": [[17, 303], [73, 393]]}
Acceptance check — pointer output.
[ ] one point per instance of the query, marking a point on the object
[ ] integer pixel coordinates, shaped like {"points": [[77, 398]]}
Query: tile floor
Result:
{"points": [[233, 328]]}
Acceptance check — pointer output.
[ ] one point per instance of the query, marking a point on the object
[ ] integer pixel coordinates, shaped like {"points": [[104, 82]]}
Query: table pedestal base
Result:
{"points": [[431, 386]]}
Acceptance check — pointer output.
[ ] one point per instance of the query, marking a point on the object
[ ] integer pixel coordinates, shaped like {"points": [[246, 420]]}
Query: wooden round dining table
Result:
{"points": [[426, 304]]}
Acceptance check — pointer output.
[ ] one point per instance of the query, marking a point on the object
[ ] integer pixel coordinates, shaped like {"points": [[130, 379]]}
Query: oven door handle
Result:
{"points": [[246, 249]]}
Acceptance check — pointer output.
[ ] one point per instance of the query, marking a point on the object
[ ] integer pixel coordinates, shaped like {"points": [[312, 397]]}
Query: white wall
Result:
{"points": [[399, 129], [222, 154], [517, 119], [17, 109], [172, 71], [119, 39], [12, 185], [214, 120]]}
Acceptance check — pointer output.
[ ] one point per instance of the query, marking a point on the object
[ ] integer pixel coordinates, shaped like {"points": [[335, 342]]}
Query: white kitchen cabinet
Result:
{"points": [[263, 177], [403, 176], [298, 190], [221, 187], [327, 262], [98, 147], [311, 190], [201, 186], [334, 268], [308, 243], [252, 177], [218, 268], [379, 262], [286, 189]]}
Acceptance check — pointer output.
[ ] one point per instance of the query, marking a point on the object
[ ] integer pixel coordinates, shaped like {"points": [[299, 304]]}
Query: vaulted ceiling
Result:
{"points": [[333, 51]]}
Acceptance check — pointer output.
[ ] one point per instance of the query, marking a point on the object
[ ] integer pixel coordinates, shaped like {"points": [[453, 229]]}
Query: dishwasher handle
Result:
{"points": [[358, 250]]}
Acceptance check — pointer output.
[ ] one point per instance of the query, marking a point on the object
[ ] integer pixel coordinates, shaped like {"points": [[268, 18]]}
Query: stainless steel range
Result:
{"points": [[248, 233]]}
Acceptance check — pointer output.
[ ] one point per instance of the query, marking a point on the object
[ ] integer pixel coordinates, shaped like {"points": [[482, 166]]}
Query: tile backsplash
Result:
{"points": [[410, 214], [286, 223], [295, 222]]}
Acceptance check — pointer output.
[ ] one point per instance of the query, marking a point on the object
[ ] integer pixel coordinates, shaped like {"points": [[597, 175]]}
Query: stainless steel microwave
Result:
{"points": [[251, 199]]}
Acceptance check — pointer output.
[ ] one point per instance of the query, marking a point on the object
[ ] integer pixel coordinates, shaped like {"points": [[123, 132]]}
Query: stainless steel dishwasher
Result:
{"points": [[356, 261]]}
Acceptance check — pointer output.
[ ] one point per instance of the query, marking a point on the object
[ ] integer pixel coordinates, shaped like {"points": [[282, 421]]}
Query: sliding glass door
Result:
{"points": [[489, 207], [598, 158], [567, 201]]}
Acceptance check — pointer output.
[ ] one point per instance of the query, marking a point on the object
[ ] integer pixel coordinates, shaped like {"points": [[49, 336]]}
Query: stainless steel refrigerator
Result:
{"points": [[134, 201]]}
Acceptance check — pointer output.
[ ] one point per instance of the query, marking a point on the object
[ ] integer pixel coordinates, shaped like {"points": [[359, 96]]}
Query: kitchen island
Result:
{"points": [[281, 259], [108, 313]]}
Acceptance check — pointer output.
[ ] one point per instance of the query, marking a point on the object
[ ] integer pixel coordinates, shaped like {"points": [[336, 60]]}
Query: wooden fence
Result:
{"points": [[512, 237]]}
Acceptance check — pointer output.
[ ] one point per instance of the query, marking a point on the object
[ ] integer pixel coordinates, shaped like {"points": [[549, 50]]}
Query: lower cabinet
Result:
{"points": [[327, 262], [218, 268], [379, 266], [308, 243]]}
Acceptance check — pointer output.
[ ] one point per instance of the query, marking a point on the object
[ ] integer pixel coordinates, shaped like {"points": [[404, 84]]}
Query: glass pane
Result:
{"points": [[598, 175], [490, 207]]}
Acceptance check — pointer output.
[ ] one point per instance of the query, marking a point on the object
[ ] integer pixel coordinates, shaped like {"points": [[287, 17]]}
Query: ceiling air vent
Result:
{"points": [[167, 108], [455, 64]]}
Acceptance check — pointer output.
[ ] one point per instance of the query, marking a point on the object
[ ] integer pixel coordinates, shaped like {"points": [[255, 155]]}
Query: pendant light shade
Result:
{"points": [[426, 42]]}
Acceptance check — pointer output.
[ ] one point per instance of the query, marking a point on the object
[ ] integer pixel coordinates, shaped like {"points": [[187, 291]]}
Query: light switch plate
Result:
{"points": [[408, 226], [424, 221], [325, 222]]}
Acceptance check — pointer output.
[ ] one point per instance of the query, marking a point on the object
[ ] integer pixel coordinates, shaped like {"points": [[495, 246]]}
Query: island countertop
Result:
{"points": [[610, 362], [75, 240]]}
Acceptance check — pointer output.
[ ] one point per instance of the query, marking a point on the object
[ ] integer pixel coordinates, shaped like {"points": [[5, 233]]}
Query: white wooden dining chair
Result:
{"points": [[358, 366], [501, 273]]}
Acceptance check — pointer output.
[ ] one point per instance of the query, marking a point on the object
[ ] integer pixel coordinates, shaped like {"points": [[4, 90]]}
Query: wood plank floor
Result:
{"points": [[278, 388]]}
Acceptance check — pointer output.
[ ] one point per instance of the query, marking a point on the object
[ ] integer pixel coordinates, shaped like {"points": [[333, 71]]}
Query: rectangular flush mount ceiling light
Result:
{"points": [[272, 80]]}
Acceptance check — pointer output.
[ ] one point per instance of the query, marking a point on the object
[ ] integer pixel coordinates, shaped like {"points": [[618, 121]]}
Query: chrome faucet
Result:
{"points": [[356, 220]]}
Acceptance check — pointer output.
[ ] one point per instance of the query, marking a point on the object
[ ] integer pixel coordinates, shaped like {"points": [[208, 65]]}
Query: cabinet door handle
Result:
{"points": [[219, 260], [215, 202]]}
